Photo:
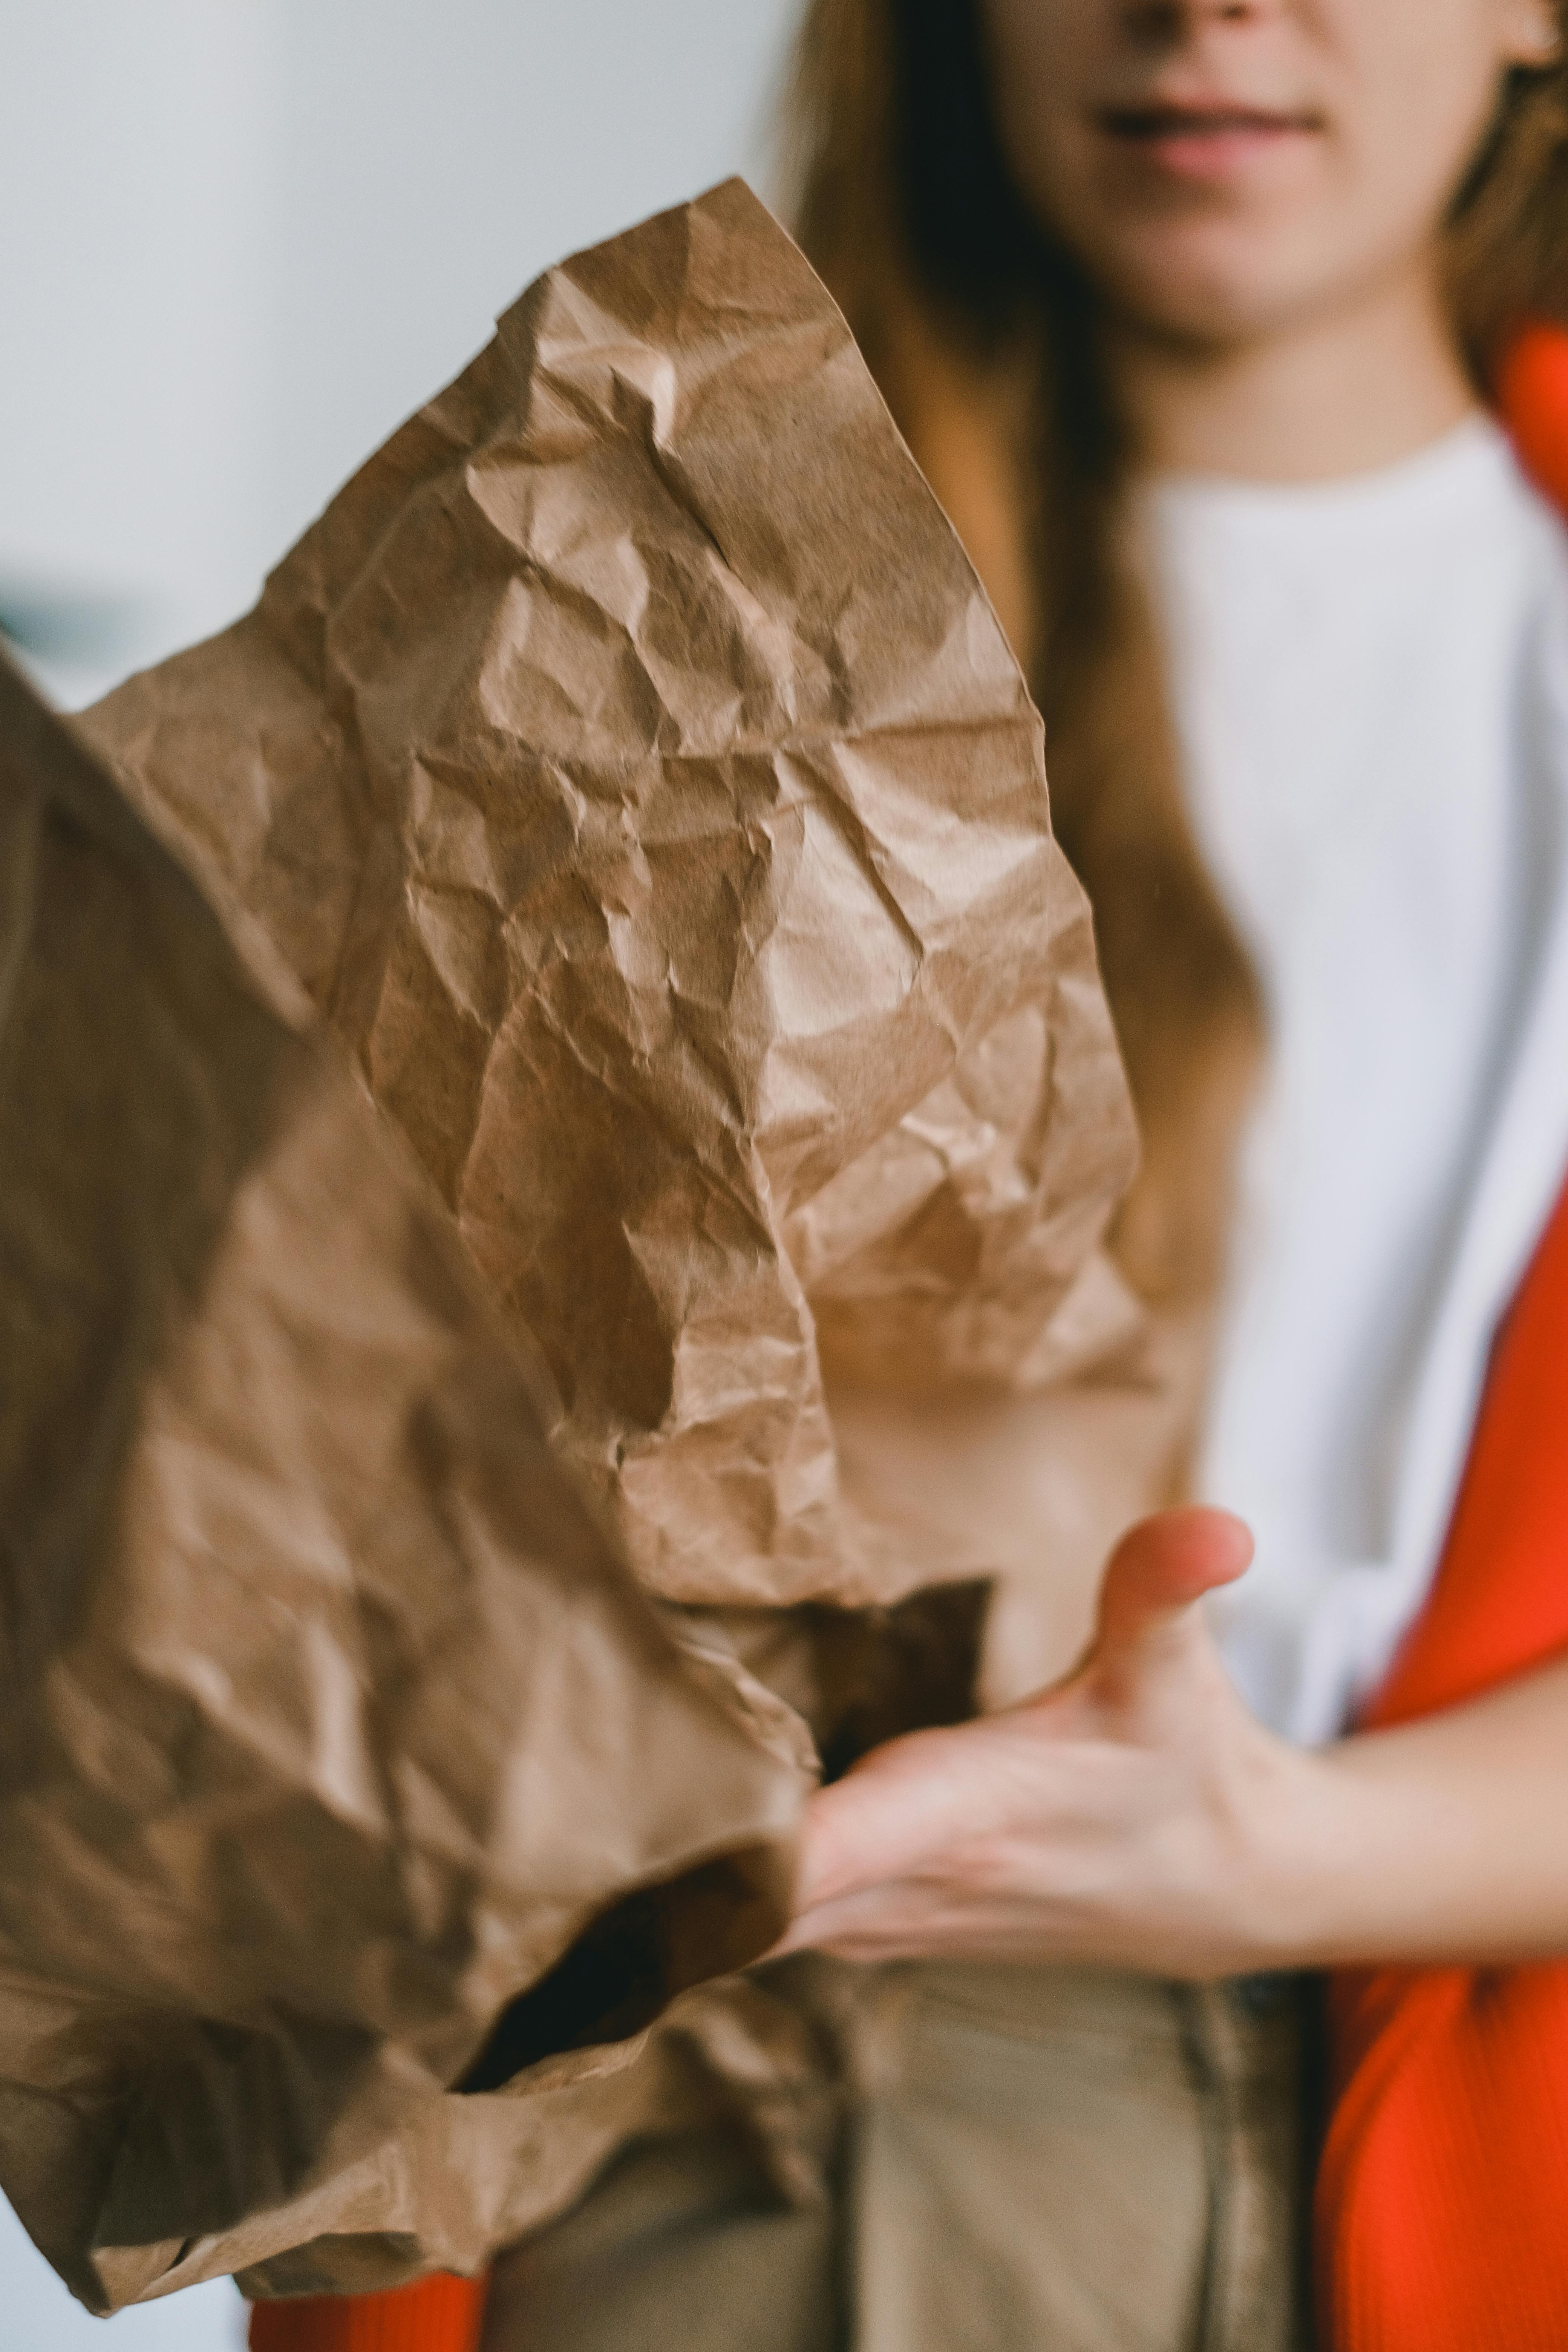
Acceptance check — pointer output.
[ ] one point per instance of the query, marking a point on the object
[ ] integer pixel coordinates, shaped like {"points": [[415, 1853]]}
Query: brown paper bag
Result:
{"points": [[629, 770]]}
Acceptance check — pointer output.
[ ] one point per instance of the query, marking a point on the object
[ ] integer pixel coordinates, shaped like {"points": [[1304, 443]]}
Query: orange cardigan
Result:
{"points": [[1441, 2201], [439, 2313], [1442, 2204], [1441, 2220]]}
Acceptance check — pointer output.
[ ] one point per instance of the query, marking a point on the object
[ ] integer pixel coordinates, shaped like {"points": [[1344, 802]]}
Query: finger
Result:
{"points": [[856, 1926], [1158, 1570], [884, 1819], [896, 1921]]}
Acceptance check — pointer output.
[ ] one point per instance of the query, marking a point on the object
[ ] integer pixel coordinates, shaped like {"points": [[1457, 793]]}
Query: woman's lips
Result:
{"points": [[1206, 142]]}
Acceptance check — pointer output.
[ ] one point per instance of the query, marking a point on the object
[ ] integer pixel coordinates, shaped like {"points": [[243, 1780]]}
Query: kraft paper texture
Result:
{"points": [[523, 1065]]}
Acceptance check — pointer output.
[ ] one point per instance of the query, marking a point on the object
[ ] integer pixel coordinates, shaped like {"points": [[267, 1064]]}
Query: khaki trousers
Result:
{"points": [[1061, 2158]]}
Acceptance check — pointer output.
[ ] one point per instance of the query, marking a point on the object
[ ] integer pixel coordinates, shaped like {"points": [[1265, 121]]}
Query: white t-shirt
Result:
{"points": [[1371, 689]]}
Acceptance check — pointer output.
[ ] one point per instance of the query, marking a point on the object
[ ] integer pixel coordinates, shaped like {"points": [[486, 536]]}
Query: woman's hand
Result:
{"points": [[1134, 1814]]}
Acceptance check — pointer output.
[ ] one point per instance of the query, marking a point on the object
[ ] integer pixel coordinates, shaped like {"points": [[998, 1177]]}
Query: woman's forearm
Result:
{"points": [[1442, 1840]]}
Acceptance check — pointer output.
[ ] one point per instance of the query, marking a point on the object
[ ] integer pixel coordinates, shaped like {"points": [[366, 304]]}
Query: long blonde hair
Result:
{"points": [[983, 337]]}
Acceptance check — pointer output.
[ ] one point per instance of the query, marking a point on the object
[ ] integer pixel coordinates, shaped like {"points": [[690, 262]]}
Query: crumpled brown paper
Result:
{"points": [[328, 1715], [629, 769], [632, 768]]}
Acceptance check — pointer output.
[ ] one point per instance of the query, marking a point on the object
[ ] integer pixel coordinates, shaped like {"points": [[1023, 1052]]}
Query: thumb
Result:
{"points": [[1157, 1571]]}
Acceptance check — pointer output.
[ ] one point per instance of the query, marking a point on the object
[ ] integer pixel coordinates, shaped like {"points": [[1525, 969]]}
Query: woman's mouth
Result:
{"points": [[1212, 143]]}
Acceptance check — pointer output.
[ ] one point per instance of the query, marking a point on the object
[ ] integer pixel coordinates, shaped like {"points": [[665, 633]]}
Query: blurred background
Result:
{"points": [[244, 238]]}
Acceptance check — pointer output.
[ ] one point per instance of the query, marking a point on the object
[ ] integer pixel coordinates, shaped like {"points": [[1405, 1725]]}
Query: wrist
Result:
{"points": [[1354, 1859], [1309, 1830]]}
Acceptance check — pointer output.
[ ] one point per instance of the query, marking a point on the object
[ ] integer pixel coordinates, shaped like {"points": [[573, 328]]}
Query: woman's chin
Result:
{"points": [[1212, 289]]}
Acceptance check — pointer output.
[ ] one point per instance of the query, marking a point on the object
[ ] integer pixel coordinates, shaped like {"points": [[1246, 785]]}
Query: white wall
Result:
{"points": [[37, 2314], [436, 157], [134, 383], [242, 239]]}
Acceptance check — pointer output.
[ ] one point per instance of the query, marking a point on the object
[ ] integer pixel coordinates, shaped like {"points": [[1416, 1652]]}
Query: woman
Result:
{"points": [[1185, 309]]}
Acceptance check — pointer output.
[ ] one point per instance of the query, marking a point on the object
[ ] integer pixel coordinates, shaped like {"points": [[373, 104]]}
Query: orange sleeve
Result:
{"points": [[438, 2314]]}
